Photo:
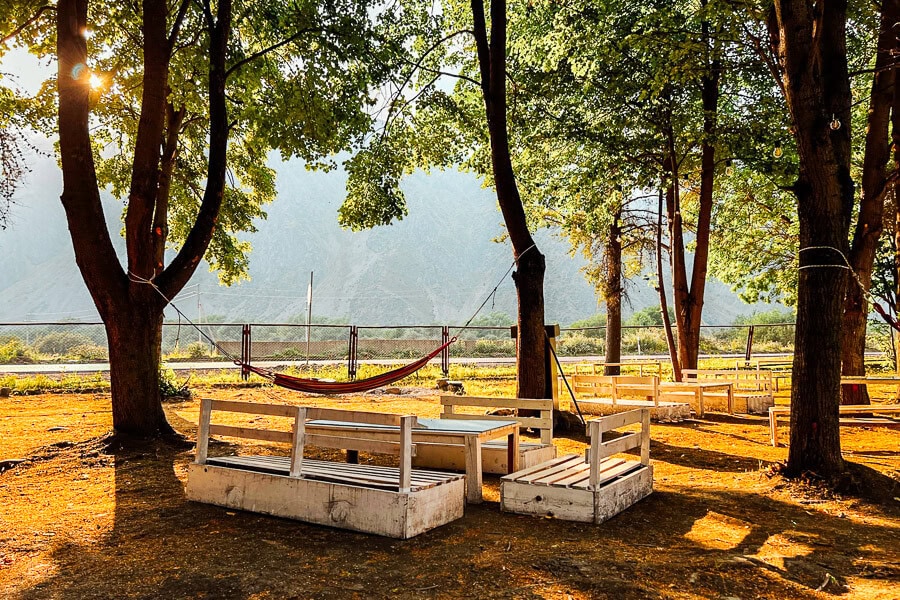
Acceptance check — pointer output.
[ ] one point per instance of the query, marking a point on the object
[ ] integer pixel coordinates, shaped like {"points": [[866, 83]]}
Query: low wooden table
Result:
{"points": [[698, 388], [467, 433]]}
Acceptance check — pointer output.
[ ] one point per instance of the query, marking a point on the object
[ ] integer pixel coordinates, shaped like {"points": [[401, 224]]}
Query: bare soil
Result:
{"points": [[82, 519]]}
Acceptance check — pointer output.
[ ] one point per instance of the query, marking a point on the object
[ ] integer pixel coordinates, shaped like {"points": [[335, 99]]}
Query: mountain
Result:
{"points": [[436, 266]]}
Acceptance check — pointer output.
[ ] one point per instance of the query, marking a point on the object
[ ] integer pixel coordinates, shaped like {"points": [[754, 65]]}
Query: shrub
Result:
{"points": [[197, 350], [61, 343], [15, 351], [89, 352], [169, 386]]}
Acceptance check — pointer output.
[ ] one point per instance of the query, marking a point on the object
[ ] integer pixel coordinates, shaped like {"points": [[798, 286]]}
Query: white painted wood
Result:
{"points": [[490, 402], [473, 470], [645, 438], [255, 408], [265, 435], [382, 512], [406, 424], [596, 454], [203, 430], [298, 442]]}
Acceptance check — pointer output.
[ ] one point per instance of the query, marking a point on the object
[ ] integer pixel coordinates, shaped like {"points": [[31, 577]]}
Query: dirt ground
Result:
{"points": [[79, 519]]}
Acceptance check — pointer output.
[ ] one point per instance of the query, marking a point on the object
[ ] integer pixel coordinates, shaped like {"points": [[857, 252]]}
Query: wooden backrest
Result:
{"points": [[741, 379], [594, 385], [543, 423], [601, 450], [298, 438]]}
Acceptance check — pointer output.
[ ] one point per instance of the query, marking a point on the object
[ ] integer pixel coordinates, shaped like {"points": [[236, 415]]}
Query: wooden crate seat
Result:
{"points": [[398, 502], [752, 389], [591, 488], [494, 453]]}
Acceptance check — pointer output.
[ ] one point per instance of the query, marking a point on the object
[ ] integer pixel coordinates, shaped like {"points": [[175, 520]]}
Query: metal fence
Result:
{"points": [[74, 342]]}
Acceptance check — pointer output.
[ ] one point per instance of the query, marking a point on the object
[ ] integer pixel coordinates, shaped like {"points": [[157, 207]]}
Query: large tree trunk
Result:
{"points": [[130, 307], [612, 294], [134, 333], [812, 44], [531, 368], [871, 206]]}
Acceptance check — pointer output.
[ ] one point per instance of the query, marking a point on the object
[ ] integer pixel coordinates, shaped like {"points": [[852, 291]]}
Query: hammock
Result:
{"points": [[315, 386]]}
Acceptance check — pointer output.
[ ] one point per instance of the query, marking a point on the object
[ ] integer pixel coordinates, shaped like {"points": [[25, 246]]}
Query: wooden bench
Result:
{"points": [[398, 502], [589, 488], [617, 387], [750, 386], [867, 381], [494, 453], [847, 409]]}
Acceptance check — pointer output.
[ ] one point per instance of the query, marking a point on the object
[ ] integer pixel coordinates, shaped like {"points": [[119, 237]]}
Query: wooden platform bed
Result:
{"points": [[398, 502], [589, 489]]}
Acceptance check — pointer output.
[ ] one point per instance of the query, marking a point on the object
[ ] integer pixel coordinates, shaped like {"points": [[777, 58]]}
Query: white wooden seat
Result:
{"points": [[397, 502], [845, 409], [591, 488], [750, 387], [494, 453]]}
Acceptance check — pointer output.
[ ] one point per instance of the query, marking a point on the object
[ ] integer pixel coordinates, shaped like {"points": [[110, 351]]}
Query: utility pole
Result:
{"points": [[308, 314]]}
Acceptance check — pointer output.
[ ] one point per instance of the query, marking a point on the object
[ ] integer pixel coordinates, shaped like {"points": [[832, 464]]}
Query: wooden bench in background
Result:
{"points": [[494, 453], [589, 488], [751, 387], [398, 502], [847, 409], [617, 387]]}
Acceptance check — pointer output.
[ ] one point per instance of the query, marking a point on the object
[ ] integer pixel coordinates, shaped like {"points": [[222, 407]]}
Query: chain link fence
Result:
{"points": [[76, 342]]}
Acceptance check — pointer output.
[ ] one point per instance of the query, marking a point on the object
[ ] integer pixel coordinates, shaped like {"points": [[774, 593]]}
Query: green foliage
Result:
{"points": [[61, 343], [197, 350], [14, 351], [595, 325], [650, 316], [169, 386]]}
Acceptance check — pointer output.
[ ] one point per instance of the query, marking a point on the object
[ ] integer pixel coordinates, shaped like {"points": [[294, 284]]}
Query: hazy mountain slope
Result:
{"points": [[435, 266]]}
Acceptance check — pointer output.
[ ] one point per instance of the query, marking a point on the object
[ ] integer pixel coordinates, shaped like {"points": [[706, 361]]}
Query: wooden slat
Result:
{"points": [[527, 403], [626, 442], [608, 474], [406, 451], [550, 463], [358, 444], [355, 416], [203, 430], [548, 472], [532, 422], [256, 408], [266, 435], [299, 434], [613, 422]]}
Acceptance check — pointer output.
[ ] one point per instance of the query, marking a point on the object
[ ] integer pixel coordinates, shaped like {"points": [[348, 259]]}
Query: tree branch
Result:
{"points": [[37, 15], [271, 48]]}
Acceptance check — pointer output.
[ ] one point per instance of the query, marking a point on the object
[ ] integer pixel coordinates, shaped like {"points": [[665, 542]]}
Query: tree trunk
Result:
{"points": [[131, 309], [663, 302], [871, 206], [531, 368], [134, 333], [813, 49], [612, 294]]}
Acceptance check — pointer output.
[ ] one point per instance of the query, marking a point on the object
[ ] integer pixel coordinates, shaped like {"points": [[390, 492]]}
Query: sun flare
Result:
{"points": [[95, 81]]}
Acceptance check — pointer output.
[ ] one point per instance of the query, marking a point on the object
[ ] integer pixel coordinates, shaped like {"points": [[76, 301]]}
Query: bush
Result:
{"points": [[61, 343], [169, 386], [89, 352], [15, 351], [197, 350], [580, 344]]}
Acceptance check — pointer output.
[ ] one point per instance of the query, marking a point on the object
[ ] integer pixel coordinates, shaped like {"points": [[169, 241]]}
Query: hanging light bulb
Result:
{"points": [[777, 152], [835, 123]]}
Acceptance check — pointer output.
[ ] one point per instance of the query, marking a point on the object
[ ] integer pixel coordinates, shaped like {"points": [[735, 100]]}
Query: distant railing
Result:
{"points": [[84, 342]]}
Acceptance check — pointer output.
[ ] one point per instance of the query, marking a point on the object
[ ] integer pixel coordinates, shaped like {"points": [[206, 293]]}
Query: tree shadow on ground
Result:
{"points": [[162, 546], [700, 458]]}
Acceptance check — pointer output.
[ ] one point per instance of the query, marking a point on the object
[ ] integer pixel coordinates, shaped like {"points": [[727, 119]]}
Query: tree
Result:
{"points": [[812, 47], [434, 128], [212, 84], [876, 184]]}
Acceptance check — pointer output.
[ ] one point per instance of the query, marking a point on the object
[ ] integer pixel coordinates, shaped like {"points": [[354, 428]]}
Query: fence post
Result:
{"points": [[245, 351], [749, 351], [351, 354], [445, 353]]}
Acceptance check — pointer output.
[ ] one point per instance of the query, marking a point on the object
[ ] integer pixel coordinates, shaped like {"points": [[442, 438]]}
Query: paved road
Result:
{"points": [[58, 368]]}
